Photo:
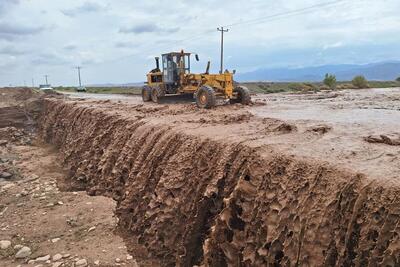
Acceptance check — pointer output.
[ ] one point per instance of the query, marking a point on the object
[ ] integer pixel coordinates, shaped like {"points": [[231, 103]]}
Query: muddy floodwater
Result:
{"points": [[371, 108]]}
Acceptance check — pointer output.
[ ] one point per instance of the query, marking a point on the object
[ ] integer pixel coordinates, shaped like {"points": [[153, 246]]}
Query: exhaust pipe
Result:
{"points": [[208, 67], [157, 63]]}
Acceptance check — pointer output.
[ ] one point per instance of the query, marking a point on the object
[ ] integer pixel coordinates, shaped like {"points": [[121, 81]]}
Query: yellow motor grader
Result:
{"points": [[175, 78]]}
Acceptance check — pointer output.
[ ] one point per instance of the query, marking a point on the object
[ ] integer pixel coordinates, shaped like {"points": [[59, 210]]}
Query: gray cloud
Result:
{"points": [[12, 31], [147, 28], [124, 44], [70, 47], [11, 51], [89, 61], [121, 51], [50, 59], [7, 68], [6, 4], [87, 7]]}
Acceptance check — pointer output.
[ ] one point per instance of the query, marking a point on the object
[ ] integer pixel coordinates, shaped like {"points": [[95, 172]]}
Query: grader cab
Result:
{"points": [[175, 78]]}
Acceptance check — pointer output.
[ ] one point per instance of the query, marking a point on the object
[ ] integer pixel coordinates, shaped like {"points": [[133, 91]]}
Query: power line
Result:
{"points": [[268, 18], [287, 13]]}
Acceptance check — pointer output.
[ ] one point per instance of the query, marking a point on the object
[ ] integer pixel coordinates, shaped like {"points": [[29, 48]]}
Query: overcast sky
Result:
{"points": [[115, 41]]}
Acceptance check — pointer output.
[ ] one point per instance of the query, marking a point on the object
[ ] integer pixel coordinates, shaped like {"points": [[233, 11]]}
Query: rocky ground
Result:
{"points": [[45, 222], [42, 225]]}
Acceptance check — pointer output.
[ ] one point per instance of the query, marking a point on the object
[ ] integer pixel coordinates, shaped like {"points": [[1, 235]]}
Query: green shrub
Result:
{"points": [[303, 87], [294, 86], [398, 79], [345, 86], [264, 86], [307, 87], [274, 90], [330, 81], [360, 82], [324, 87]]}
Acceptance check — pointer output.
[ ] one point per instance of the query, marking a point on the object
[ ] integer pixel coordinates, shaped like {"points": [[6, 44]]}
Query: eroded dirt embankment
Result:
{"points": [[194, 200]]}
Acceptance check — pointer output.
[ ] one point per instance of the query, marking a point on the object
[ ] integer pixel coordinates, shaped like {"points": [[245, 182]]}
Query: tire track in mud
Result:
{"points": [[191, 200]]}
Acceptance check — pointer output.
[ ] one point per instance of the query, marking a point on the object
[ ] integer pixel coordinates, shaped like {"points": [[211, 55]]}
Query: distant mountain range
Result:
{"points": [[384, 71]]}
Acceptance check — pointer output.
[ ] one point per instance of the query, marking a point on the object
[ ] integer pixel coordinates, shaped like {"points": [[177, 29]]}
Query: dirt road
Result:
{"points": [[292, 180]]}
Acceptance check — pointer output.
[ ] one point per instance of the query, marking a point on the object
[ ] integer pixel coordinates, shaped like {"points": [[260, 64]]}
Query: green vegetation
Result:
{"points": [[267, 88], [330, 81], [360, 82], [303, 87], [279, 87], [383, 84], [398, 79]]}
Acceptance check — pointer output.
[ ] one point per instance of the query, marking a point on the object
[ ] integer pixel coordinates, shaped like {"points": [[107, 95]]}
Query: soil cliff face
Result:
{"points": [[192, 200]]}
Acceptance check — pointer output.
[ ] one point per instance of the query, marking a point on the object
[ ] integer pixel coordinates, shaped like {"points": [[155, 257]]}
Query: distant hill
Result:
{"points": [[385, 71]]}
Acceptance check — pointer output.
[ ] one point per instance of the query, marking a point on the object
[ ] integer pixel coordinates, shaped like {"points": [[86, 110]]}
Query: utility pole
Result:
{"points": [[222, 47], [33, 82], [46, 76], [24, 83], [79, 75]]}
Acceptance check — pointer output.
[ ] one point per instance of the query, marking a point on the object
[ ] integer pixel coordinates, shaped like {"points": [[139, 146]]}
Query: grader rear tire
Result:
{"points": [[146, 93], [156, 94], [243, 95], [205, 97]]}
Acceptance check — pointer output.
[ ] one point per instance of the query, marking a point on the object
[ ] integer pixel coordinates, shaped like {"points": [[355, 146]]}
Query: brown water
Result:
{"points": [[370, 108]]}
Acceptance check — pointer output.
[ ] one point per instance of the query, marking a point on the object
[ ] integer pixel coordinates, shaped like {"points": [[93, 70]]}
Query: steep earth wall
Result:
{"points": [[197, 201]]}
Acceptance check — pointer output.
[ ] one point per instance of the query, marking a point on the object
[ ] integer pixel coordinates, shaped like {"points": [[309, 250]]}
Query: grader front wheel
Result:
{"points": [[146, 93], [205, 97]]}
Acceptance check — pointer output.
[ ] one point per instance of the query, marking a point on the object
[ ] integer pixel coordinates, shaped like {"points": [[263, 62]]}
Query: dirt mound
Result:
{"points": [[20, 107], [194, 200], [278, 126], [18, 96], [222, 119], [12, 116], [17, 93], [388, 139], [14, 135], [320, 129]]}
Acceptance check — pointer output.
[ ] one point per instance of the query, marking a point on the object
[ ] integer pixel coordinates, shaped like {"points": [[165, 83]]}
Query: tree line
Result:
{"points": [[358, 81]]}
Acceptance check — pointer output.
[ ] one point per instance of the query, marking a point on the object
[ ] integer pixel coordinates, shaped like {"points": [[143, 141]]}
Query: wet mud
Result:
{"points": [[194, 200], [388, 139]]}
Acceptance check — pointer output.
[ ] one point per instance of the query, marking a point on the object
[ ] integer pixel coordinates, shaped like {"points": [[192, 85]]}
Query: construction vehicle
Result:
{"points": [[207, 89]]}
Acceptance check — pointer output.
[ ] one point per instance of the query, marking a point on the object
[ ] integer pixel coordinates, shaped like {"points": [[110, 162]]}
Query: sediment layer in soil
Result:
{"points": [[191, 199]]}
